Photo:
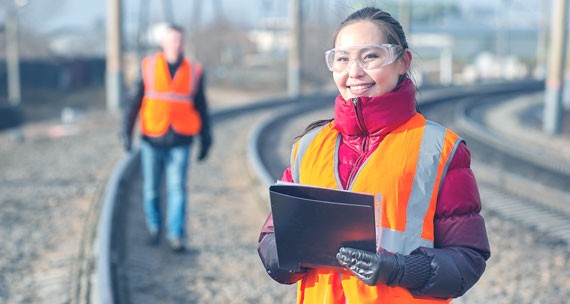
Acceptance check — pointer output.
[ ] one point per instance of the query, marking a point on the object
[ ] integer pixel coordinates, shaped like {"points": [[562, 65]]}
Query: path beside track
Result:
{"points": [[49, 186]]}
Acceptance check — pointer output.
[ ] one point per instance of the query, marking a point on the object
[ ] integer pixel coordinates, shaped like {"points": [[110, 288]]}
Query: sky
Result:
{"points": [[86, 13], [90, 13]]}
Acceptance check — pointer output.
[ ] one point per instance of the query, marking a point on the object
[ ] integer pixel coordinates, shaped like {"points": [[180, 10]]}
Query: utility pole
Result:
{"points": [[294, 62], [13, 64], [12, 56], [114, 77], [556, 59], [142, 32]]}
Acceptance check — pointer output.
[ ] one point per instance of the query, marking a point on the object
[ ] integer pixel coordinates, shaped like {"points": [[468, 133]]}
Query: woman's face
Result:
{"points": [[356, 81]]}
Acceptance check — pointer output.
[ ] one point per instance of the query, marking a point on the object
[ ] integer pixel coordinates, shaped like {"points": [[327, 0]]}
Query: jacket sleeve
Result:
{"points": [[461, 247], [202, 108], [268, 250], [132, 108]]}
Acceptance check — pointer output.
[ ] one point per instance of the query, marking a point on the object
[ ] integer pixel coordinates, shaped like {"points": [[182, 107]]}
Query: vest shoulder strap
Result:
{"points": [[299, 149]]}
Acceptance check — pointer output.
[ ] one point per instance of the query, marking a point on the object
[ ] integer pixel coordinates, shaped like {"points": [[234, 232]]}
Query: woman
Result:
{"points": [[434, 244]]}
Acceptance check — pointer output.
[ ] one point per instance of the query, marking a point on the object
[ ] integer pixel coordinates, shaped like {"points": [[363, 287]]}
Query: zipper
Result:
{"points": [[360, 159], [359, 117]]}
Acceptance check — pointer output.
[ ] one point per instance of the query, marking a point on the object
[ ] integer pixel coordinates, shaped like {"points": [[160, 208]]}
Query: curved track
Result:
{"points": [[139, 274], [130, 271], [549, 212], [526, 202]]}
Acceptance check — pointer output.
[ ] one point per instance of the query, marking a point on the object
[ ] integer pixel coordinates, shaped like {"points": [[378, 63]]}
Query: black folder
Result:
{"points": [[312, 223]]}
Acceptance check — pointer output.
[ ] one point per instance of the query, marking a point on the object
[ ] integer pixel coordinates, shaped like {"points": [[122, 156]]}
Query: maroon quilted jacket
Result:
{"points": [[461, 245]]}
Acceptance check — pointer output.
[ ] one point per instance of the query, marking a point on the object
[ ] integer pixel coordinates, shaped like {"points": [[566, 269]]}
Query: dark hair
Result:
{"points": [[389, 25], [175, 27]]}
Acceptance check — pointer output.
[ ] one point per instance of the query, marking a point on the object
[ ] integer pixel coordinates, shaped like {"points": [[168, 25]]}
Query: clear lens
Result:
{"points": [[368, 56]]}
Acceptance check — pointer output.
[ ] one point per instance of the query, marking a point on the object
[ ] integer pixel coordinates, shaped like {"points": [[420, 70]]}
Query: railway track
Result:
{"points": [[526, 217], [530, 184], [51, 188], [538, 202], [131, 272]]}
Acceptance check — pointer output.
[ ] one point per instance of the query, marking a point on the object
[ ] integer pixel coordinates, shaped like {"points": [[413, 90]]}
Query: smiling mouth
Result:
{"points": [[360, 87]]}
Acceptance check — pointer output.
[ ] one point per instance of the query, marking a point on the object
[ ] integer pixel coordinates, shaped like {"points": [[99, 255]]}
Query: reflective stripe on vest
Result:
{"points": [[299, 149], [421, 196], [169, 99], [406, 170], [151, 92]]}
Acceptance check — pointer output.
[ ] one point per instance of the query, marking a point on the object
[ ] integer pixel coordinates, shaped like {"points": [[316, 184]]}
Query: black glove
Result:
{"points": [[268, 253], [205, 143], [127, 141], [373, 268]]}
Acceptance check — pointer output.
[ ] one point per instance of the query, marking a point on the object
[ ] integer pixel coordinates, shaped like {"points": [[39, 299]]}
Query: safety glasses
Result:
{"points": [[369, 57]]}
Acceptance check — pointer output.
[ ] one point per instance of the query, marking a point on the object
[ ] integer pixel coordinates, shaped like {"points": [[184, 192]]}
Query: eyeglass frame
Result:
{"points": [[394, 51]]}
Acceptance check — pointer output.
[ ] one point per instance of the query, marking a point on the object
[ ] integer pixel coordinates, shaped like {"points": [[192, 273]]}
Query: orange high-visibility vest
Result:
{"points": [[405, 174], [169, 100]]}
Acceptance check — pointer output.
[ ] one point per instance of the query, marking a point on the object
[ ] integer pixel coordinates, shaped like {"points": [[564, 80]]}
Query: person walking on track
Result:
{"points": [[433, 244], [171, 103]]}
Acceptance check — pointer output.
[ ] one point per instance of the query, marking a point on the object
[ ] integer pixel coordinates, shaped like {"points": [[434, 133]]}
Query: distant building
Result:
{"points": [[73, 43]]}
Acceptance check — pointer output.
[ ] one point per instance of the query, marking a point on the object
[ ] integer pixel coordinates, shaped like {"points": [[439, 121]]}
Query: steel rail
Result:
{"points": [[105, 285], [516, 204], [105, 277]]}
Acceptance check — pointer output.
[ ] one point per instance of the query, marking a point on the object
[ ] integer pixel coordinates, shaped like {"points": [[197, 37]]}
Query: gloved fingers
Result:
{"points": [[364, 272], [359, 261], [345, 257], [362, 269], [357, 254], [366, 279], [345, 260], [363, 266]]}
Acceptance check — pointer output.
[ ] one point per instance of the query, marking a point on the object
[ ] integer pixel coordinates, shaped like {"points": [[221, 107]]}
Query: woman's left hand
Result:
{"points": [[373, 268]]}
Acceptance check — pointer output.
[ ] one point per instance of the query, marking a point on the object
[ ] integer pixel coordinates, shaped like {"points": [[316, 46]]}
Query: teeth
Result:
{"points": [[361, 87]]}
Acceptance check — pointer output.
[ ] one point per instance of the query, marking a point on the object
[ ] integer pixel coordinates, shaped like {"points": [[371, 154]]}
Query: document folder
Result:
{"points": [[312, 223]]}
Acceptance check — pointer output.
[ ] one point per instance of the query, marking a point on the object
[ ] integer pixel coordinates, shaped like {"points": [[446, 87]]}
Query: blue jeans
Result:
{"points": [[175, 161]]}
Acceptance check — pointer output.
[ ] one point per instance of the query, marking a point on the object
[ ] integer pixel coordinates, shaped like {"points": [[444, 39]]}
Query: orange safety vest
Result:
{"points": [[169, 101], [405, 174]]}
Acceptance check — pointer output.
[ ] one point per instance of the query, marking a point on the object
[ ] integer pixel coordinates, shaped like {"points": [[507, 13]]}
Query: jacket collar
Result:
{"points": [[376, 115]]}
